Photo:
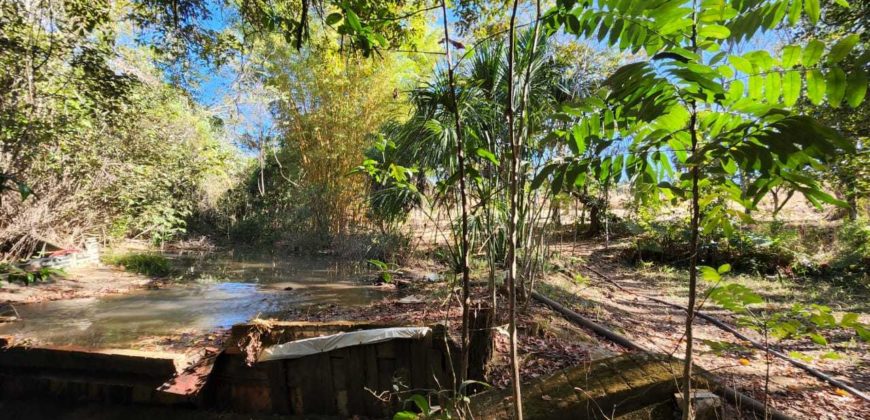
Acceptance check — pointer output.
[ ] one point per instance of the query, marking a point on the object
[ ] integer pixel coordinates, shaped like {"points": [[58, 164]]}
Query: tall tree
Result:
{"points": [[463, 198], [513, 223]]}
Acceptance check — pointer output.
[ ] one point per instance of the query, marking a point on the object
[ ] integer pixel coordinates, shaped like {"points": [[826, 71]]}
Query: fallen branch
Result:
{"points": [[813, 371]]}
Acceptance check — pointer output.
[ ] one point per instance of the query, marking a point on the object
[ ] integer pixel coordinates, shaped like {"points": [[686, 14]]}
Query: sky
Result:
{"points": [[216, 88]]}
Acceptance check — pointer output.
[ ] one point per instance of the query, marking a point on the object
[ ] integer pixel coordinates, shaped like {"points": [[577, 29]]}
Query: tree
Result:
{"points": [[695, 117], [851, 172]]}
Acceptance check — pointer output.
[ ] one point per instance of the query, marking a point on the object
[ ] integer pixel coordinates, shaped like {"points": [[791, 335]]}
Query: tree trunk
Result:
{"points": [[514, 221], [688, 410], [480, 344], [463, 199]]}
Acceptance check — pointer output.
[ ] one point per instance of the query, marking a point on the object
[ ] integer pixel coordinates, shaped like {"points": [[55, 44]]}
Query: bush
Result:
{"points": [[765, 249], [854, 247], [152, 265]]}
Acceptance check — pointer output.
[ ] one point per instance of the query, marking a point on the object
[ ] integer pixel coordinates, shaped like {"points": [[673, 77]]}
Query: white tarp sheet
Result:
{"points": [[309, 346]]}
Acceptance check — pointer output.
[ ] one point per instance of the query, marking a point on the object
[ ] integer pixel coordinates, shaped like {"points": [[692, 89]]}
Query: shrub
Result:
{"points": [[853, 256], [148, 264], [763, 249]]}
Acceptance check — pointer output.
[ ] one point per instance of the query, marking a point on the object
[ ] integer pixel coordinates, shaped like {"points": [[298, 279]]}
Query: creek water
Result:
{"points": [[217, 291]]}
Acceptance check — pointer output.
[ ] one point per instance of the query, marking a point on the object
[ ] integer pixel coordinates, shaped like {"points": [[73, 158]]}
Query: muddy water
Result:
{"points": [[216, 291]]}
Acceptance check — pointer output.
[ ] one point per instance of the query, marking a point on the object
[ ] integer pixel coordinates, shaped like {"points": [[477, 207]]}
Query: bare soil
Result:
{"points": [[79, 282], [661, 328]]}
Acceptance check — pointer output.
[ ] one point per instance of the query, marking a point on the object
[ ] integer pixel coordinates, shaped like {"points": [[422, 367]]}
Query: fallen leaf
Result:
{"points": [[744, 362], [841, 392]]}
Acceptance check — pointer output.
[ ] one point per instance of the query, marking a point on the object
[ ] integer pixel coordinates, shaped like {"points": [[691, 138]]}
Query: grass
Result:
{"points": [[152, 265]]}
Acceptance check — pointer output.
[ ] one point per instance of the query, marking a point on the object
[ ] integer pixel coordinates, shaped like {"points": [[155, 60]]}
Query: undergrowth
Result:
{"points": [[148, 264], [835, 253]]}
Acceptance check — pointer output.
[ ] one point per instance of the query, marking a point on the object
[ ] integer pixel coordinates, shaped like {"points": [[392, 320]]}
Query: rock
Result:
{"points": [[410, 299], [708, 406]]}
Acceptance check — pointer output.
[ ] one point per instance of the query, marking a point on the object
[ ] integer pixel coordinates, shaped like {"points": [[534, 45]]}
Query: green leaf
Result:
{"points": [[800, 356], [843, 3], [333, 18], [836, 86], [842, 48], [735, 91], [542, 176], [421, 403], [381, 39], [578, 139], [813, 10], [741, 64], [818, 339], [813, 52], [773, 87], [755, 86], [714, 31], [849, 319], [24, 190], [724, 268], [486, 154], [794, 12], [815, 86], [379, 264], [791, 88], [791, 55], [405, 415], [856, 88], [353, 20], [709, 274]]}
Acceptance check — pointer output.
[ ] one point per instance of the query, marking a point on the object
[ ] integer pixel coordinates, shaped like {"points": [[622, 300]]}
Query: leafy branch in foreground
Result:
{"points": [[684, 125]]}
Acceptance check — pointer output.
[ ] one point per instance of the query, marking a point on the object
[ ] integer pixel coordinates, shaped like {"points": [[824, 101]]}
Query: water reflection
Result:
{"points": [[216, 291]]}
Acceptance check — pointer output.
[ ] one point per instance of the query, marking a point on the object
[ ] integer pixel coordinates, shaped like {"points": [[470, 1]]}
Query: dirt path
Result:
{"points": [[660, 328]]}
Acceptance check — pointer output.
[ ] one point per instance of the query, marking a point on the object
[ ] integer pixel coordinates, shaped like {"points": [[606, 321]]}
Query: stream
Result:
{"points": [[217, 291]]}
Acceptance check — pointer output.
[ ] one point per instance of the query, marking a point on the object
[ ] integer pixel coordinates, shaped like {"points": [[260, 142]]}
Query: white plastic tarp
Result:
{"points": [[309, 346]]}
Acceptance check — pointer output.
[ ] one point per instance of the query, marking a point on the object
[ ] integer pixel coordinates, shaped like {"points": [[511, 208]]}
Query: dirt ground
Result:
{"points": [[78, 282], [661, 328]]}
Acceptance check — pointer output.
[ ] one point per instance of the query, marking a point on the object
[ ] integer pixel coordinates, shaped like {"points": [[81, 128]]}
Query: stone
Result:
{"points": [[708, 406]]}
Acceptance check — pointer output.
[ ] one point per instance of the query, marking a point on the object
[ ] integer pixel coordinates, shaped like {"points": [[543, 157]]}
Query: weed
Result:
{"points": [[28, 277], [152, 265]]}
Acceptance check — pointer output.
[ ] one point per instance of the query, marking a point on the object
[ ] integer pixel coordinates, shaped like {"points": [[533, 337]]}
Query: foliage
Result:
{"points": [[700, 122], [95, 142], [28, 277], [850, 173], [451, 403], [385, 270], [799, 321], [828, 253], [152, 265], [854, 242], [748, 249], [304, 189]]}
